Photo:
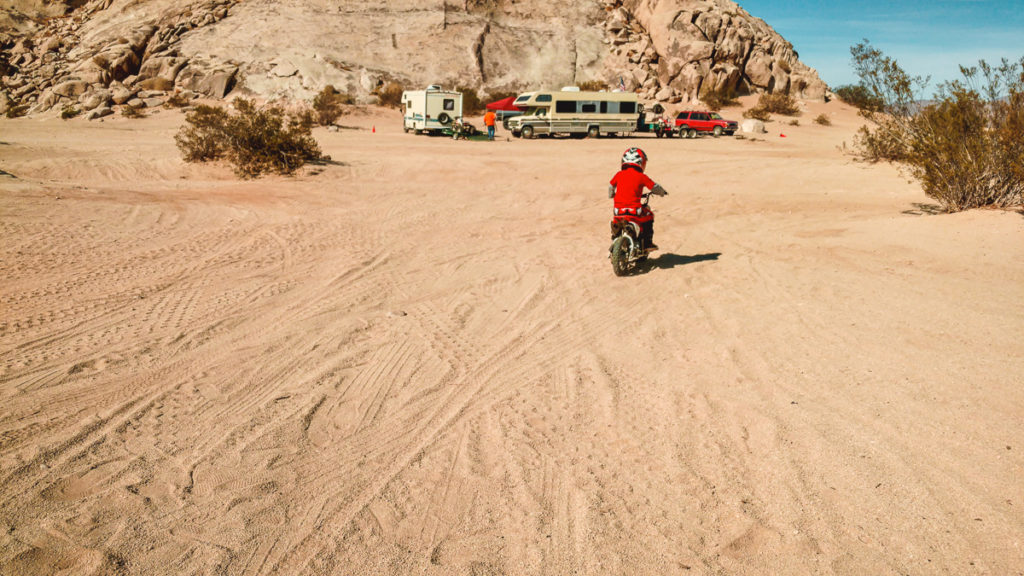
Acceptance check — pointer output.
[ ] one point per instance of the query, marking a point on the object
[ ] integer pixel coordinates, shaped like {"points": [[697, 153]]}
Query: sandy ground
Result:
{"points": [[416, 360]]}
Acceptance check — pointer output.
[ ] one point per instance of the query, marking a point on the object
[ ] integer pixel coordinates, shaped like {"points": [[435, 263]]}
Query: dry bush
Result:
{"points": [[966, 147], [390, 95], [16, 110], [253, 140], [794, 122], [177, 100], [329, 104], [779, 104], [132, 112], [822, 120], [69, 112], [715, 100], [757, 113], [471, 102], [592, 86]]}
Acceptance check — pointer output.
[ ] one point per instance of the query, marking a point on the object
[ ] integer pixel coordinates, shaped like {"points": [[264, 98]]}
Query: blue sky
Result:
{"points": [[927, 37]]}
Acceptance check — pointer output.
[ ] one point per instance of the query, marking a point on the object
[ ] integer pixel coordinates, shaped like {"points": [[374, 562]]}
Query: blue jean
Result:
{"points": [[490, 132]]}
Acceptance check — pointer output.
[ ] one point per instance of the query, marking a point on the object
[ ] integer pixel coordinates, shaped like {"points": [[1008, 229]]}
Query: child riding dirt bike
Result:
{"points": [[627, 188]]}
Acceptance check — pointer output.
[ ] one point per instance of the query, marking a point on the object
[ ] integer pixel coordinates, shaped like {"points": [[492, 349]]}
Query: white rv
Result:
{"points": [[430, 110], [571, 111]]}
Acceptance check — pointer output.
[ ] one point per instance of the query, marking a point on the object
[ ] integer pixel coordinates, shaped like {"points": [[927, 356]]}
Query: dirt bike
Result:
{"points": [[628, 250]]}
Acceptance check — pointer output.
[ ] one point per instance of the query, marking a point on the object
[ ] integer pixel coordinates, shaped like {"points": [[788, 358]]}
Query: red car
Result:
{"points": [[690, 122]]}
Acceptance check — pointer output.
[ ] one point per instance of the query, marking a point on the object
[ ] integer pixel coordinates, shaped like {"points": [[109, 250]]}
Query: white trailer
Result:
{"points": [[430, 110]]}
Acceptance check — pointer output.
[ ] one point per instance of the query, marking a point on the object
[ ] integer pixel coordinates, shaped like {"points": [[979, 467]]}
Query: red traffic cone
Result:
{"points": [[782, 135], [374, 129]]}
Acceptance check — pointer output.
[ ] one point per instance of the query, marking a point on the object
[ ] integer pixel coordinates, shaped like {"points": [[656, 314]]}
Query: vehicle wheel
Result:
{"points": [[620, 256], [684, 131], [527, 132], [691, 133], [504, 123], [444, 118], [405, 128], [717, 131], [593, 132], [659, 133]]}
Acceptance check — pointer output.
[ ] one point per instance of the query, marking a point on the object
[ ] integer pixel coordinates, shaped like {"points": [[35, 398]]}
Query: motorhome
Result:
{"points": [[430, 110], [571, 111]]}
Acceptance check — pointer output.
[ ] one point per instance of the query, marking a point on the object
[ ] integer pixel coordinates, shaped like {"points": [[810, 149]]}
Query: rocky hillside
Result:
{"points": [[100, 53]]}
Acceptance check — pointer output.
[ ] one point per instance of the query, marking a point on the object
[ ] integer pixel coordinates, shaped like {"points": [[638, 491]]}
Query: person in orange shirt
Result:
{"points": [[489, 122]]}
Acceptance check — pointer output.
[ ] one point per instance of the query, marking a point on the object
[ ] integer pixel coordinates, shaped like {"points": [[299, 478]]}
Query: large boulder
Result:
{"points": [[215, 82]]}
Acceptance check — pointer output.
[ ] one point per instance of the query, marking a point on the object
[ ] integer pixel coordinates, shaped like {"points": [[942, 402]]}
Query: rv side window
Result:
{"points": [[521, 100], [449, 104], [604, 107], [589, 107], [544, 98], [565, 106], [627, 107]]}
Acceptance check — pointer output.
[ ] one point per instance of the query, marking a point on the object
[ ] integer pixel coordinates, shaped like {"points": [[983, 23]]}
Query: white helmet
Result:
{"points": [[635, 157]]}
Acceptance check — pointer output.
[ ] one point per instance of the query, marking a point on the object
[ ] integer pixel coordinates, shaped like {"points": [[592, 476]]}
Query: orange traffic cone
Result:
{"points": [[374, 129]]}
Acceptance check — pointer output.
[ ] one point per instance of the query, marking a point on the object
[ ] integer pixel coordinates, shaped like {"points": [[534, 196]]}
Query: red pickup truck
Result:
{"points": [[690, 122]]}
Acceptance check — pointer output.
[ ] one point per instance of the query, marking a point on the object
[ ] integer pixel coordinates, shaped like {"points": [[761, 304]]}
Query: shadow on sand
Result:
{"points": [[922, 209], [668, 260]]}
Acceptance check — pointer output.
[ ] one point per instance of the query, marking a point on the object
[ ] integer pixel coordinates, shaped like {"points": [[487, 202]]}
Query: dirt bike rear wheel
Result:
{"points": [[620, 256]]}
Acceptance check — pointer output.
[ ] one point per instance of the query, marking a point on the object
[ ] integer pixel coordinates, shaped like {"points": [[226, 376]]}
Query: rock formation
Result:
{"points": [[99, 53]]}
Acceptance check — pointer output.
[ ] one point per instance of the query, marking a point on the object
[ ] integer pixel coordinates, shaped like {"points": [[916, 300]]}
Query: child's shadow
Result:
{"points": [[668, 260]]}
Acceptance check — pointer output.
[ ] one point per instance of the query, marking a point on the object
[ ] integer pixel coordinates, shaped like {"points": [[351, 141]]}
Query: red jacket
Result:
{"points": [[629, 188]]}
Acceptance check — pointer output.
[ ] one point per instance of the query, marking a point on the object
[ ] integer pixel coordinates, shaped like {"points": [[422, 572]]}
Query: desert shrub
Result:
{"points": [[965, 147], [822, 120], [69, 112], [203, 138], [177, 100], [757, 113], [329, 104], [471, 102], [253, 140], [593, 86], [858, 96], [779, 104], [132, 112], [794, 122], [16, 110], [717, 99], [390, 95]]}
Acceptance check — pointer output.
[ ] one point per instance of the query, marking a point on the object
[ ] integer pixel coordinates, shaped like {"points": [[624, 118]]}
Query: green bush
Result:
{"points": [[329, 105], [858, 96], [966, 147], [253, 140], [69, 112]]}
